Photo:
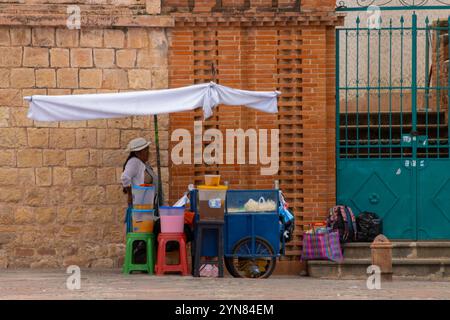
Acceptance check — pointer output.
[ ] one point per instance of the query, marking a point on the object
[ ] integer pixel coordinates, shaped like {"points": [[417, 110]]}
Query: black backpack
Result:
{"points": [[369, 226]]}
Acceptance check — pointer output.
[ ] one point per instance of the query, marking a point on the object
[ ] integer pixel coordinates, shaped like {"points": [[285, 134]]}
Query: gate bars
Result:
{"points": [[405, 117]]}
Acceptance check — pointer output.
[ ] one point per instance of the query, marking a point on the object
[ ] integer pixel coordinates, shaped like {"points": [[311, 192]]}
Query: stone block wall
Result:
{"points": [[60, 198]]}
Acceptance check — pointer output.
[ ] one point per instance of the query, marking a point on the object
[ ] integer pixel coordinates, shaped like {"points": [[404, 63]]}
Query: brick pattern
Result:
{"points": [[261, 19], [206, 6], [206, 61], [233, 4], [60, 198], [318, 5], [299, 63], [290, 120], [318, 113]]}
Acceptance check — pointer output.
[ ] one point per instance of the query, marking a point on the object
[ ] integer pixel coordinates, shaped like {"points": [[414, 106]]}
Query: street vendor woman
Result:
{"points": [[137, 171]]}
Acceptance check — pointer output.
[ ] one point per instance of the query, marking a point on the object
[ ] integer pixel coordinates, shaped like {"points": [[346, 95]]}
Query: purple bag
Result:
{"points": [[322, 246]]}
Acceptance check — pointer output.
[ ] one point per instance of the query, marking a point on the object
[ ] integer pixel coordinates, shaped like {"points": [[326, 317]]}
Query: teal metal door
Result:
{"points": [[392, 132]]}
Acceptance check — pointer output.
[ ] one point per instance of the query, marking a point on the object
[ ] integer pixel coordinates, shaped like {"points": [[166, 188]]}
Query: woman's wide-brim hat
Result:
{"points": [[137, 144]]}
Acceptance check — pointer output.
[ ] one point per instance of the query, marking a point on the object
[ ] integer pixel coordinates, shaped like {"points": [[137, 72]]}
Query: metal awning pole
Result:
{"points": [[158, 159]]}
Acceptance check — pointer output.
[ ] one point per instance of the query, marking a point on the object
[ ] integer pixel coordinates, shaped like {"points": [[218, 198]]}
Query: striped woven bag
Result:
{"points": [[322, 246]]}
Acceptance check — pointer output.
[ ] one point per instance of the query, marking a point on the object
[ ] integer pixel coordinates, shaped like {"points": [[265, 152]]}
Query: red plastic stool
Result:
{"points": [[161, 266]]}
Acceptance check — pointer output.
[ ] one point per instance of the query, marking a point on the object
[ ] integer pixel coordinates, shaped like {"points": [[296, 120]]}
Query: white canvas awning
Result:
{"points": [[152, 102]]}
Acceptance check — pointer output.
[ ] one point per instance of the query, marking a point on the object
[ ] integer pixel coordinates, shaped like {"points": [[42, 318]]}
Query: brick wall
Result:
{"points": [[265, 51], [60, 198]]}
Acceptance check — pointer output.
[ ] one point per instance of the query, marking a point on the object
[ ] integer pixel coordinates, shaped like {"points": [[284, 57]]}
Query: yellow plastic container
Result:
{"points": [[143, 221], [143, 206], [212, 180], [210, 188], [143, 226]]}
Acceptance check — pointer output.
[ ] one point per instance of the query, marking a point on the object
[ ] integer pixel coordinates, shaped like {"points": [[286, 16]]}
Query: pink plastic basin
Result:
{"points": [[172, 219]]}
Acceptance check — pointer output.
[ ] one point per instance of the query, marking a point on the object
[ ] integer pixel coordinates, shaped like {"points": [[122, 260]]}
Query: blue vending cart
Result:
{"points": [[252, 232]]}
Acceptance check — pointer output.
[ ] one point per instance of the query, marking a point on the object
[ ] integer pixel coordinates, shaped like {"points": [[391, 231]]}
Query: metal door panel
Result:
{"points": [[380, 186], [433, 214]]}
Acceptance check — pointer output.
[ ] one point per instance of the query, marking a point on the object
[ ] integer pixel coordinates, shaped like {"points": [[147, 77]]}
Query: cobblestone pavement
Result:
{"points": [[112, 284]]}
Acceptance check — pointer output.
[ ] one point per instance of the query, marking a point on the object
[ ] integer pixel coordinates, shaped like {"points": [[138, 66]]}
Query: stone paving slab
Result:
{"points": [[112, 284]]}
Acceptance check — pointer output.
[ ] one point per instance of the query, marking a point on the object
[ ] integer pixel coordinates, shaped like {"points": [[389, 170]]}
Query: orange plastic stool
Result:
{"points": [[161, 266]]}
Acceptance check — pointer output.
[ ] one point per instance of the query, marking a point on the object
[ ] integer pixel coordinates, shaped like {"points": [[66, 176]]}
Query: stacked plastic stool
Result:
{"points": [[129, 264], [217, 226], [161, 266]]}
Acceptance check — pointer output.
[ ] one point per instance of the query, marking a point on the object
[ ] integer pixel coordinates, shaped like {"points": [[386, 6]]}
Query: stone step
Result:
{"points": [[426, 269], [402, 250]]}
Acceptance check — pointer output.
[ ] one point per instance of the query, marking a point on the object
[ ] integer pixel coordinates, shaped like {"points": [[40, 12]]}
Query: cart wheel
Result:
{"points": [[261, 267]]}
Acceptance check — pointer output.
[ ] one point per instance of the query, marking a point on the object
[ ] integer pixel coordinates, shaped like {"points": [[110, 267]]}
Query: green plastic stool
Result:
{"points": [[149, 239]]}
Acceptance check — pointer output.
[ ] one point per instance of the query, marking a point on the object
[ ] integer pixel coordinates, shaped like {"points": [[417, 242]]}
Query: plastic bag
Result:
{"points": [[183, 201], [209, 271], [287, 223], [369, 226]]}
